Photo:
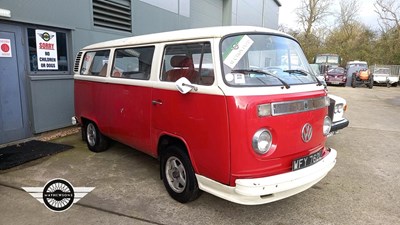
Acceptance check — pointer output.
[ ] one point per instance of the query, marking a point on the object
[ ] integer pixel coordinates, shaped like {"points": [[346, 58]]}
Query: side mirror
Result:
{"points": [[184, 86]]}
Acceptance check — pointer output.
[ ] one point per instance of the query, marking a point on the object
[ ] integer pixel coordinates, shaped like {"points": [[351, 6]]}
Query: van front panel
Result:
{"points": [[286, 131]]}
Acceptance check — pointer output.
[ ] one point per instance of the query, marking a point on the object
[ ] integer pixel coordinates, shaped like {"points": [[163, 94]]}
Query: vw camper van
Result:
{"points": [[233, 111]]}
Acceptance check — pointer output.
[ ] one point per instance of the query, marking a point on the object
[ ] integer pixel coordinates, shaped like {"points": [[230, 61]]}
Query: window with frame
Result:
{"points": [[191, 60], [133, 63], [40, 61], [95, 63]]}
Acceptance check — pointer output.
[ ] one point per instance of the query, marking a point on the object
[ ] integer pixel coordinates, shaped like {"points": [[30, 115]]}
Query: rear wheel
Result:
{"points": [[95, 140], [178, 175]]}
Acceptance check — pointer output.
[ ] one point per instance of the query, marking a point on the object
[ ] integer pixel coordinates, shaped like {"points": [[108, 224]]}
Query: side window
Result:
{"points": [[133, 63], [95, 63], [192, 60]]}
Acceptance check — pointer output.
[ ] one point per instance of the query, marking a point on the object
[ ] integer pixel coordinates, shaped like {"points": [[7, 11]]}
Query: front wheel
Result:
{"points": [[353, 81], [371, 82], [95, 140], [178, 175]]}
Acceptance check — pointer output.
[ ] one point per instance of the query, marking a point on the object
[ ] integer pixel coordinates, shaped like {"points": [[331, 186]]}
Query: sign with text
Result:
{"points": [[46, 48], [5, 48]]}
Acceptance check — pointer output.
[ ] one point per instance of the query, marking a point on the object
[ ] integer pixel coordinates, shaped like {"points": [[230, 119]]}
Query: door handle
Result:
{"points": [[156, 102]]}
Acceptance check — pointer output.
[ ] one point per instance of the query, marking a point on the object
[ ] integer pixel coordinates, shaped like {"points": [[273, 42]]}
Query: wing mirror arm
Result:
{"points": [[191, 86], [184, 86]]}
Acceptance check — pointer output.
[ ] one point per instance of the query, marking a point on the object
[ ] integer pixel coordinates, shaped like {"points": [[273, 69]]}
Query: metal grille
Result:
{"points": [[113, 14], [77, 61], [282, 108]]}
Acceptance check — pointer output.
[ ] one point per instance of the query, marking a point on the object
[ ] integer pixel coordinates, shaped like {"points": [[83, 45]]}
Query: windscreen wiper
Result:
{"points": [[287, 86], [305, 73]]}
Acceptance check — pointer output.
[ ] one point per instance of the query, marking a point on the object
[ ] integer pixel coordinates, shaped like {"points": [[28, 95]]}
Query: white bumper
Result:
{"points": [[384, 79], [268, 189]]}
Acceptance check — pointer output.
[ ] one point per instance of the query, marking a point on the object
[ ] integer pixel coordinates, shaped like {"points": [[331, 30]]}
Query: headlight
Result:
{"points": [[327, 125], [339, 108], [262, 141]]}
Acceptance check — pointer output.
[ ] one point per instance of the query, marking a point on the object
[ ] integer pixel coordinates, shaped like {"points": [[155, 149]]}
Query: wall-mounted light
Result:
{"points": [[5, 13]]}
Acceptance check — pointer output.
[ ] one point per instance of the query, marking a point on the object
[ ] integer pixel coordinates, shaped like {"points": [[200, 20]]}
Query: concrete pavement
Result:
{"points": [[363, 188]]}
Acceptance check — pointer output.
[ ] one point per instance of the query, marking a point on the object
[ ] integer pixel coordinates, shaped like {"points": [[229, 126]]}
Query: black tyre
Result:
{"points": [[353, 81], [178, 175], [95, 140], [395, 84], [371, 82]]}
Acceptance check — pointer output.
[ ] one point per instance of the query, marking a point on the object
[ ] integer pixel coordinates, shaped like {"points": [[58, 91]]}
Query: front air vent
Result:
{"points": [[282, 108]]}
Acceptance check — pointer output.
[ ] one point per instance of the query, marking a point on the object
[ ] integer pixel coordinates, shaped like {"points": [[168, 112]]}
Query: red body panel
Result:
{"points": [[286, 132], [216, 129], [200, 120], [125, 113]]}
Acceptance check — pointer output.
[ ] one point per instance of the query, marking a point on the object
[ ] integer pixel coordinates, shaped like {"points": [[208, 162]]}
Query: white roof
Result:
{"points": [[188, 34], [357, 62]]}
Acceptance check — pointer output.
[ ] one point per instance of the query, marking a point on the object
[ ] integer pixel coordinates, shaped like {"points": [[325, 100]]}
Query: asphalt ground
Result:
{"points": [[363, 188]]}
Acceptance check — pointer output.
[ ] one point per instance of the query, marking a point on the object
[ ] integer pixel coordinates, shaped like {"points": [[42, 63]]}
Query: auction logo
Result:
{"points": [[58, 195], [46, 36]]}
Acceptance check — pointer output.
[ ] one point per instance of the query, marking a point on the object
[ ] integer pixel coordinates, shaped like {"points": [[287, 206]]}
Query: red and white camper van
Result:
{"points": [[233, 111]]}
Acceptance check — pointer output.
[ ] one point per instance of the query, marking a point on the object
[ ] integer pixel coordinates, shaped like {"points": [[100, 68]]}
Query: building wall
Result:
{"points": [[263, 13], [49, 95]]}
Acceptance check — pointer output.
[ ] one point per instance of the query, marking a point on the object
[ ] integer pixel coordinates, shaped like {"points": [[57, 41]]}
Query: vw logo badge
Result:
{"points": [[306, 132]]}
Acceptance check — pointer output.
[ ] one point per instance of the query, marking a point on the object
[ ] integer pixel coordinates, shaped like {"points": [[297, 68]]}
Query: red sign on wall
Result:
{"points": [[5, 48]]}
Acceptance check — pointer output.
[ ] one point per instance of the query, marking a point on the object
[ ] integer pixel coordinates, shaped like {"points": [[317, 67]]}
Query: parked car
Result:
{"points": [[336, 109], [382, 76], [336, 76]]}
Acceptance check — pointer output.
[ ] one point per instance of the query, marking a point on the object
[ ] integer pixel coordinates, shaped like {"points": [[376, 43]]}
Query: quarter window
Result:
{"points": [[95, 63]]}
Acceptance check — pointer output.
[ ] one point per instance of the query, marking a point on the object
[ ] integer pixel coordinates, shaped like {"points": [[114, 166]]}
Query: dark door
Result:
{"points": [[13, 116]]}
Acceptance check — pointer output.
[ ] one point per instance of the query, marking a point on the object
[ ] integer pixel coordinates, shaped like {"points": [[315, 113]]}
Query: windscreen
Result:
{"points": [[264, 60]]}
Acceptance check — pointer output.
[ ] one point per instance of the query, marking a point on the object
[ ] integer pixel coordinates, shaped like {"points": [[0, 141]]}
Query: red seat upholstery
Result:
{"points": [[183, 67]]}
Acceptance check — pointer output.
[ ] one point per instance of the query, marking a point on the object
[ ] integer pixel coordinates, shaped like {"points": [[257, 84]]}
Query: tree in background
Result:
{"points": [[311, 15], [351, 39], [389, 21], [389, 14]]}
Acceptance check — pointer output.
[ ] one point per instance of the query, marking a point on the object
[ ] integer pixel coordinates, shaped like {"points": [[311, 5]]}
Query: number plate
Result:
{"points": [[335, 82], [306, 161]]}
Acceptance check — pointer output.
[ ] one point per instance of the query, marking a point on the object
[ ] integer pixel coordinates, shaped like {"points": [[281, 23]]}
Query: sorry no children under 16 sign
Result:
{"points": [[46, 47]]}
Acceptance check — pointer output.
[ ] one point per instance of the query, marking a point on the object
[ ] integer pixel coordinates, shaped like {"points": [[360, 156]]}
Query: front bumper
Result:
{"points": [[338, 82], [269, 189], [384, 80], [339, 125]]}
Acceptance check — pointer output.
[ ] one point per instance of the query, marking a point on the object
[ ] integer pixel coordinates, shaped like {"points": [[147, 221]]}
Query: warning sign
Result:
{"points": [[46, 48], [5, 48]]}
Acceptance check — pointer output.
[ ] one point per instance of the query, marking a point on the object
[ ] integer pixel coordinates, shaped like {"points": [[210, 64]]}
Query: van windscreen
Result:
{"points": [[264, 60]]}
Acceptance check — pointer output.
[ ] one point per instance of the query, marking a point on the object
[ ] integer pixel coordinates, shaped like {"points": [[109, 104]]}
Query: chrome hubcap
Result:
{"points": [[91, 134], [176, 174]]}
